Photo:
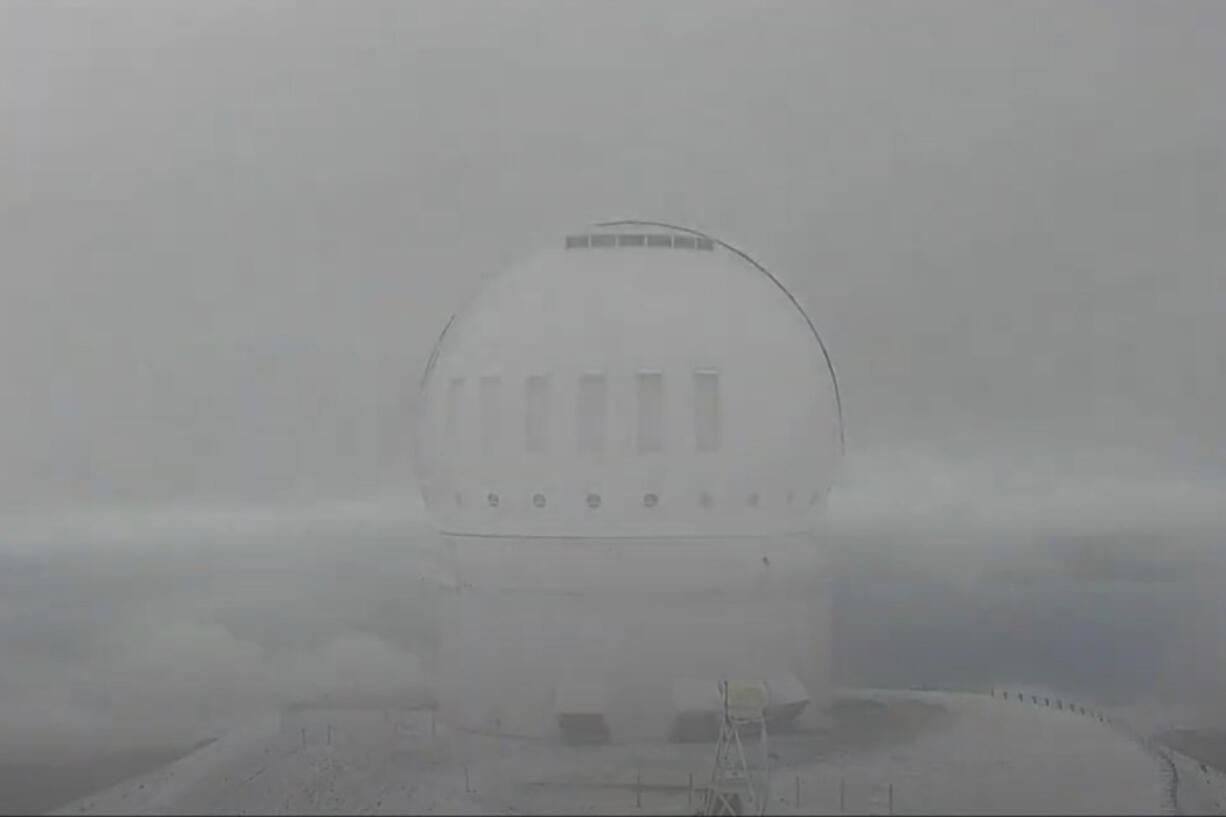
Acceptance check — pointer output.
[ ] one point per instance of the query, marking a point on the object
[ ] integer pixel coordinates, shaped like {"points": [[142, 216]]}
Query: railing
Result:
{"points": [[672, 792], [1210, 796]]}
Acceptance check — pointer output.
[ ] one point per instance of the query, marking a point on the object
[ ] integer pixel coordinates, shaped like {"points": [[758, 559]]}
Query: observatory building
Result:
{"points": [[625, 443]]}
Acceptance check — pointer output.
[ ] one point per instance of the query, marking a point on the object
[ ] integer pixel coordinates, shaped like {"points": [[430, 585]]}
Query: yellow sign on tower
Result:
{"points": [[745, 700]]}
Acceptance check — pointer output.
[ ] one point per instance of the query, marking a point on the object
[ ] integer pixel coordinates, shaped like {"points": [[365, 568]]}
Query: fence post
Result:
{"points": [[891, 798], [842, 794], [638, 791]]}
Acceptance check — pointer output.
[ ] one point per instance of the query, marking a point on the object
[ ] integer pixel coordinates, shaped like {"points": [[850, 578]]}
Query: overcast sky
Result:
{"points": [[230, 232]]}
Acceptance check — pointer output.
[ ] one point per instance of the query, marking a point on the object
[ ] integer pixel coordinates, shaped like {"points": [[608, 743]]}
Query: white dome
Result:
{"points": [[638, 380]]}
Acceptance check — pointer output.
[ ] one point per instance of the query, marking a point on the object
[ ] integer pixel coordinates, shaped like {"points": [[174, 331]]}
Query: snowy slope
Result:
{"points": [[979, 754]]}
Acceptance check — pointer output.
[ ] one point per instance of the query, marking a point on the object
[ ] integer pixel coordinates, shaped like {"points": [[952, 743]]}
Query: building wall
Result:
{"points": [[632, 615]]}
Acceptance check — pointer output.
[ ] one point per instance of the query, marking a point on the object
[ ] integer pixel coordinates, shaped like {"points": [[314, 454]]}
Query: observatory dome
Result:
{"points": [[633, 380]]}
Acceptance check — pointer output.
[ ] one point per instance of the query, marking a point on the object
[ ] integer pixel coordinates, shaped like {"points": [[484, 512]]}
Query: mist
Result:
{"points": [[231, 232]]}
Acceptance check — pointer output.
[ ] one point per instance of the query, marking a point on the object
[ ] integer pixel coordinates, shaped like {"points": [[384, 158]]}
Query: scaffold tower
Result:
{"points": [[740, 775]]}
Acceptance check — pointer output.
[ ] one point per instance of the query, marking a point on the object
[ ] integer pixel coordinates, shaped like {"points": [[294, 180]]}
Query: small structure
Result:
{"points": [[740, 777], [581, 708], [787, 699]]}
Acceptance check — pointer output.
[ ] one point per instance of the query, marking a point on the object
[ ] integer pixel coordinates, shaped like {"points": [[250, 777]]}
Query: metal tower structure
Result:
{"points": [[740, 776]]}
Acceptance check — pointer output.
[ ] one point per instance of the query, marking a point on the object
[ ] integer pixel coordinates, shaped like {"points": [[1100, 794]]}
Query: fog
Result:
{"points": [[230, 233]]}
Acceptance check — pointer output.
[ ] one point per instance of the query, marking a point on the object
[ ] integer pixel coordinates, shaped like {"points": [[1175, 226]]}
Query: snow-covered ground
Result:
{"points": [[912, 752]]}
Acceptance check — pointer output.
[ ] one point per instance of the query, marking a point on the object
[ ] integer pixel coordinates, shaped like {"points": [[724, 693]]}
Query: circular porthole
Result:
{"points": [[538, 500], [753, 500], [705, 500], [493, 500], [593, 501], [650, 500]]}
